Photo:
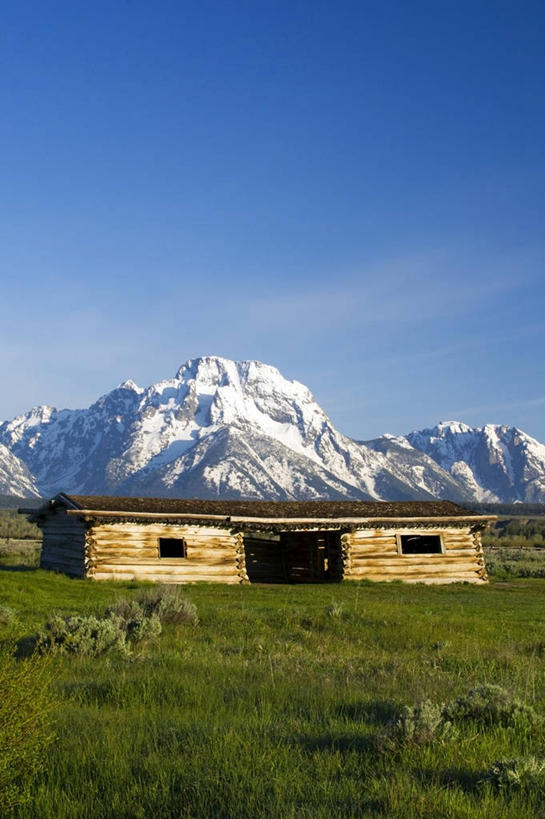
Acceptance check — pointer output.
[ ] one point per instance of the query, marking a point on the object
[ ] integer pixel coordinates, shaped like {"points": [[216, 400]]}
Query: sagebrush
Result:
{"points": [[123, 625]]}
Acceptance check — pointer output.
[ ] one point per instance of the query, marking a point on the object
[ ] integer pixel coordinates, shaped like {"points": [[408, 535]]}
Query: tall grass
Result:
{"points": [[270, 706]]}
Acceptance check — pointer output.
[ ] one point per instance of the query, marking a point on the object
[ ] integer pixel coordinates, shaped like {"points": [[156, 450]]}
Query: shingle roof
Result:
{"points": [[271, 509]]}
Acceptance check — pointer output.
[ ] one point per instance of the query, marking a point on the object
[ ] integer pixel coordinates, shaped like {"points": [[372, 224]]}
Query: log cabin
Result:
{"points": [[171, 540]]}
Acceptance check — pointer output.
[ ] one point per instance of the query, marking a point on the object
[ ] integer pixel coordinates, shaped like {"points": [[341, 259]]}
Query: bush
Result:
{"points": [[123, 625], [490, 705], [169, 605], [485, 704], [417, 725], [165, 603], [526, 773], [25, 726], [88, 636]]}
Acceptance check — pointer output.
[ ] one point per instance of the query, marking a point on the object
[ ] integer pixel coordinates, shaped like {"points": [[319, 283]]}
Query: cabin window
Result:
{"points": [[420, 544], [172, 547]]}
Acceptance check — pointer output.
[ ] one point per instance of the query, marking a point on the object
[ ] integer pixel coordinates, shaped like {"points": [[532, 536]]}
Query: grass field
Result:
{"points": [[271, 706]]}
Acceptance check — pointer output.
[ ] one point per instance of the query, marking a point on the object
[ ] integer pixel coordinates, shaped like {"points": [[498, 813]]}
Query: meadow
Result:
{"points": [[284, 701]]}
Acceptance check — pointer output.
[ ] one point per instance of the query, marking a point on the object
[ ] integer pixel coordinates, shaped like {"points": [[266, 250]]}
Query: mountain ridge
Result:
{"points": [[221, 428]]}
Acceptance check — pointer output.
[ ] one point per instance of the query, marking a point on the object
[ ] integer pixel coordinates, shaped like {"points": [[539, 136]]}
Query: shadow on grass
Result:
{"points": [[25, 647], [91, 691], [338, 742], [467, 781], [380, 712]]}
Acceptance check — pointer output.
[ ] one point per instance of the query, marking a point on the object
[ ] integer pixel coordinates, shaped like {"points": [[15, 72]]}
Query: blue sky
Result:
{"points": [[351, 191]]}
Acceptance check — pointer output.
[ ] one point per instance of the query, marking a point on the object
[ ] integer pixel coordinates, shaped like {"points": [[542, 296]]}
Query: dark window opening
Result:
{"points": [[172, 547], [421, 545]]}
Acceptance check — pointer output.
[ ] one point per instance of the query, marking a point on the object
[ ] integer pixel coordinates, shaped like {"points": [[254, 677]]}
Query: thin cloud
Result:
{"points": [[432, 285]]}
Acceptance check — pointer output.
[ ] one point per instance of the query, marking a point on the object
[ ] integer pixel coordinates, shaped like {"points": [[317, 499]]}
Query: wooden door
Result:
{"points": [[306, 556]]}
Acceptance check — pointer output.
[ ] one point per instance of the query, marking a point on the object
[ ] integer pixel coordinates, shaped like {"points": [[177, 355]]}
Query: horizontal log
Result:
{"points": [[428, 581], [153, 551], [461, 550], [103, 513], [369, 551], [155, 578], [410, 571], [159, 568], [107, 513], [69, 551], [147, 535], [159, 530], [63, 543], [195, 552], [57, 566], [153, 542], [374, 546], [411, 560], [101, 560], [63, 535], [373, 549], [61, 554], [391, 536]]}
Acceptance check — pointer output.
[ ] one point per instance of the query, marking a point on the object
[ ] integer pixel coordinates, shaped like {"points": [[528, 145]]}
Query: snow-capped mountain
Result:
{"points": [[240, 429], [493, 462], [219, 427], [15, 478]]}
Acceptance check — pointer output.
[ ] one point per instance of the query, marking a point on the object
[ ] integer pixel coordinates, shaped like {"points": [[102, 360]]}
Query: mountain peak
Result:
{"points": [[129, 384], [452, 427]]}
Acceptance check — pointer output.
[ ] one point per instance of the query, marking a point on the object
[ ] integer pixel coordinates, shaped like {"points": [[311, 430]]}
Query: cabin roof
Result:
{"points": [[269, 509], [258, 514]]}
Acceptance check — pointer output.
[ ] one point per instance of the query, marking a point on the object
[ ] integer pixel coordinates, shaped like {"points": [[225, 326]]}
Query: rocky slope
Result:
{"points": [[493, 462], [15, 477]]}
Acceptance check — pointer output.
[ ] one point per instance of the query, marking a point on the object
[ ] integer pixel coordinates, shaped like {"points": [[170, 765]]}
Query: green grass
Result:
{"points": [[270, 706]]}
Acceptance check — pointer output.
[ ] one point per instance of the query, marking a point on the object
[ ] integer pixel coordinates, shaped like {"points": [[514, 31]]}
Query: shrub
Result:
{"points": [[490, 705], [525, 773], [88, 636], [416, 725], [169, 605], [123, 625], [25, 726], [166, 603]]}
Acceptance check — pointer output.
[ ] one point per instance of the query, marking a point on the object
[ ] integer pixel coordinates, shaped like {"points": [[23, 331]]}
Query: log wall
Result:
{"points": [[63, 548], [126, 551], [373, 554], [129, 550]]}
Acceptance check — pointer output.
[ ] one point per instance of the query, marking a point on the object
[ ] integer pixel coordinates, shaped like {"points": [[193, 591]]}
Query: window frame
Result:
{"points": [[177, 557], [400, 551]]}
